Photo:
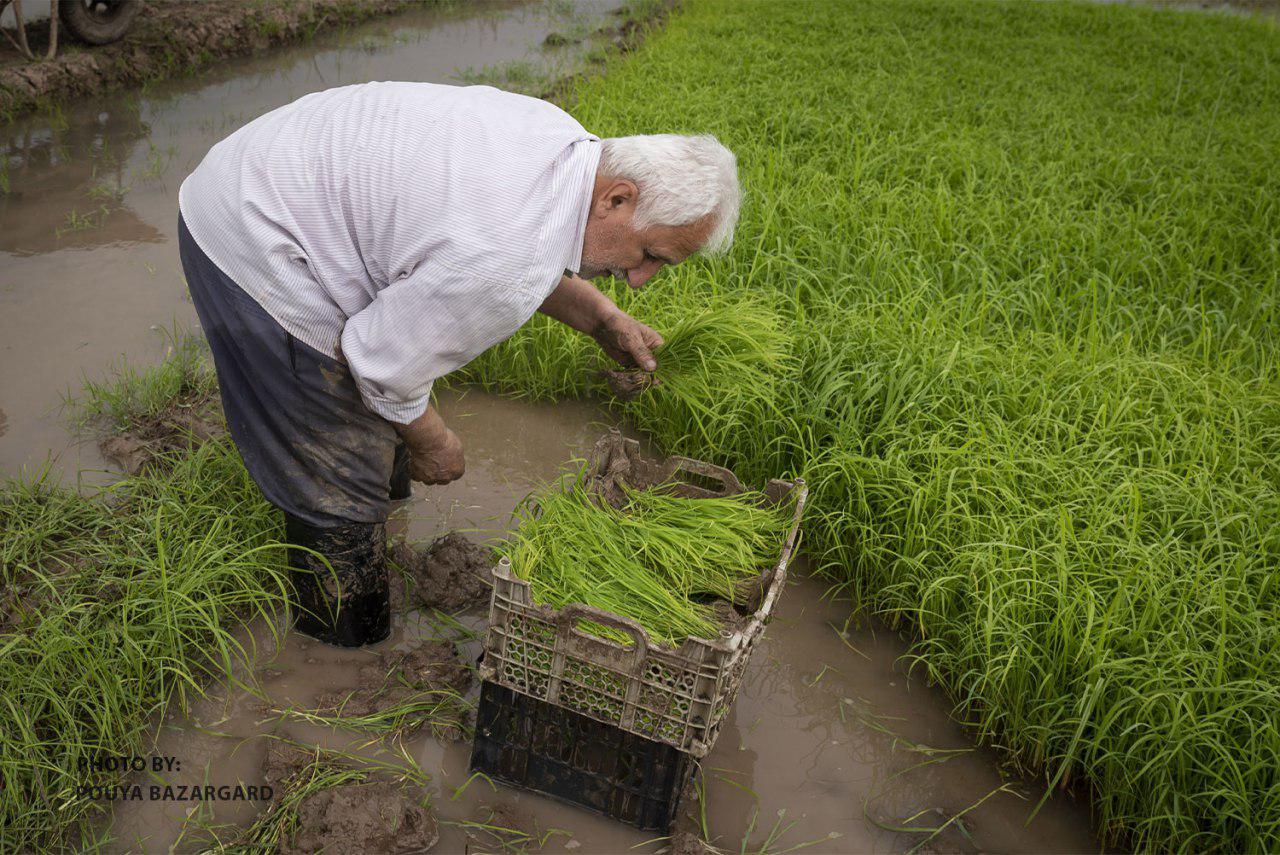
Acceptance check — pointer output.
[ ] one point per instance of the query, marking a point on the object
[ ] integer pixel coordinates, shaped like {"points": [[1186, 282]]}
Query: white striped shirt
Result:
{"points": [[403, 227]]}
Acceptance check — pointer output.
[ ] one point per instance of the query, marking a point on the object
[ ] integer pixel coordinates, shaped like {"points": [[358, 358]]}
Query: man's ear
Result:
{"points": [[620, 193]]}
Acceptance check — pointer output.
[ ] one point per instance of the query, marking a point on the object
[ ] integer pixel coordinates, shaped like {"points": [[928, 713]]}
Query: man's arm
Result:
{"points": [[580, 305]]}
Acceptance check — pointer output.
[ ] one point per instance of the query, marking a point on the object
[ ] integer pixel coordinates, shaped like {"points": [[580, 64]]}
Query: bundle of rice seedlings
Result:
{"points": [[660, 559], [719, 380]]}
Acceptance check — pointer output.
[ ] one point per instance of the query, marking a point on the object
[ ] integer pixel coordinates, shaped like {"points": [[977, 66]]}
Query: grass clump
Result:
{"points": [[131, 398], [116, 606], [659, 560]]}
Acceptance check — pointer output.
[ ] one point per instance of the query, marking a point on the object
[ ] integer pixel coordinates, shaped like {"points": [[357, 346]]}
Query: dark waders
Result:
{"points": [[315, 450]]}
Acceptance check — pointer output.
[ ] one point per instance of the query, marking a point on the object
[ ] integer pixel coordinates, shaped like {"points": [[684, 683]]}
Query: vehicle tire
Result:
{"points": [[98, 22]]}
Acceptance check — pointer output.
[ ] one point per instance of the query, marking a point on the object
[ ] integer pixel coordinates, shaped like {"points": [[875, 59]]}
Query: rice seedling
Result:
{"points": [[659, 559], [494, 834], [436, 709], [130, 396]]}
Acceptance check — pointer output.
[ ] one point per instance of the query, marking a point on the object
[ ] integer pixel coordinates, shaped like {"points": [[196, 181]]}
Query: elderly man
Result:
{"points": [[346, 250]]}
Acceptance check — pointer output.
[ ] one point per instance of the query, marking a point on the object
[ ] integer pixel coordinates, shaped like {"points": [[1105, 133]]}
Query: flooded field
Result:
{"points": [[831, 743]]}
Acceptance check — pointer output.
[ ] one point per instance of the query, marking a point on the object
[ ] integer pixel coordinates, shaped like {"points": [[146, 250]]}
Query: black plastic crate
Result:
{"points": [[537, 746]]}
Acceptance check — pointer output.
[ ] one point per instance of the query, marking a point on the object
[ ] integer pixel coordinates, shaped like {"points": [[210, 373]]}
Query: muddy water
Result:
{"points": [[829, 741], [89, 269]]}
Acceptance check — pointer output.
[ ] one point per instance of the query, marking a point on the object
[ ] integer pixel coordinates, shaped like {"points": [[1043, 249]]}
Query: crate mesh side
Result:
{"points": [[678, 697]]}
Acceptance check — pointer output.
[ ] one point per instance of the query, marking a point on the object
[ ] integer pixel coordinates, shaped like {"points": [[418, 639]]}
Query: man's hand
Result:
{"points": [[580, 304], [440, 465], [629, 342], [435, 452]]}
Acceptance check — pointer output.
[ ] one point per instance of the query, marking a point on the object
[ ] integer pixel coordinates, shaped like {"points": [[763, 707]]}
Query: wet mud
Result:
{"points": [[451, 573], [190, 421], [433, 667], [370, 818], [367, 816]]}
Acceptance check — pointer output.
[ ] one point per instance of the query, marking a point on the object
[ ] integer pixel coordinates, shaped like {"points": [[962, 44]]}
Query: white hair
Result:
{"points": [[680, 180]]}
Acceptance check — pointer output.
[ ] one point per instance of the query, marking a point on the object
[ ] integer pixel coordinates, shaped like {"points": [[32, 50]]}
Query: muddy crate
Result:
{"points": [[538, 746], [676, 696]]}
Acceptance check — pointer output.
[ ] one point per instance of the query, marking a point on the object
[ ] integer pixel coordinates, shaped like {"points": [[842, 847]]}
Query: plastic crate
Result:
{"points": [[538, 746], [677, 696]]}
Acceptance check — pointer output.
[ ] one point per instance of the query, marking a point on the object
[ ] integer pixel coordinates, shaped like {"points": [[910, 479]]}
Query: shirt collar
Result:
{"points": [[586, 151]]}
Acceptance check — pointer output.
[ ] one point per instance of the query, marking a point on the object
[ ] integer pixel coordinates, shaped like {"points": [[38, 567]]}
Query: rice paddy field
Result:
{"points": [[1010, 271], [1005, 293]]}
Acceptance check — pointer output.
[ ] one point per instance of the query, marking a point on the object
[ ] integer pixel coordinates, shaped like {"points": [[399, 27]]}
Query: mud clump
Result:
{"points": [[688, 843], [283, 761], [728, 617], [358, 817], [372, 817], [450, 575], [628, 385], [395, 678], [175, 429]]}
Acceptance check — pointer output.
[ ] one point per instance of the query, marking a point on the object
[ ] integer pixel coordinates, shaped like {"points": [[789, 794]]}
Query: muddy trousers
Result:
{"points": [[339, 579], [330, 464], [339, 576]]}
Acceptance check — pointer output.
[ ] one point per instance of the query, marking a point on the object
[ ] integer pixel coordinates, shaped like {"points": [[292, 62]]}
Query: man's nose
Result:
{"points": [[637, 276]]}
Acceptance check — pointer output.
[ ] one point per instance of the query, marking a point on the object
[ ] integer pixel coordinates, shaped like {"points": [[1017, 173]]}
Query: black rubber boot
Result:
{"points": [[401, 486], [347, 601]]}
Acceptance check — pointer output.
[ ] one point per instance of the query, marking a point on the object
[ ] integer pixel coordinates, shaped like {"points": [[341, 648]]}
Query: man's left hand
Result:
{"points": [[629, 342]]}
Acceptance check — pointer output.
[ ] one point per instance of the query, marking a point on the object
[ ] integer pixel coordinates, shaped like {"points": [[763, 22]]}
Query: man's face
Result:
{"points": [[612, 247]]}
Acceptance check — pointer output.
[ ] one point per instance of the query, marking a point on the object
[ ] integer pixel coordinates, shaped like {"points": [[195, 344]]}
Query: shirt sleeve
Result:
{"points": [[420, 328]]}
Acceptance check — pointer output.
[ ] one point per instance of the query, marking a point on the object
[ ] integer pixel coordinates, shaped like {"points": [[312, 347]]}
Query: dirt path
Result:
{"points": [[168, 38]]}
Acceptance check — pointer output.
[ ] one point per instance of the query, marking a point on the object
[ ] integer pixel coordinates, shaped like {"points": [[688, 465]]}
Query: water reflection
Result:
{"points": [[68, 181]]}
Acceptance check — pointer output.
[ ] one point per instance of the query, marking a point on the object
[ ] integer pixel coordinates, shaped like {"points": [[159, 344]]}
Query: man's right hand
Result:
{"points": [[439, 465], [435, 452]]}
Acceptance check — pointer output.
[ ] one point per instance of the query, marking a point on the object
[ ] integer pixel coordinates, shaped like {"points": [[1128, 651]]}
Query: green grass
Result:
{"points": [[117, 608], [131, 398], [1023, 264]]}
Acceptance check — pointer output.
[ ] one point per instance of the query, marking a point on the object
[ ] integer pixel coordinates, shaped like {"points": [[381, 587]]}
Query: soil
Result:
{"points": [[179, 427], [728, 616], [375, 818], [372, 816], [688, 843], [395, 677], [450, 575], [626, 385], [168, 37]]}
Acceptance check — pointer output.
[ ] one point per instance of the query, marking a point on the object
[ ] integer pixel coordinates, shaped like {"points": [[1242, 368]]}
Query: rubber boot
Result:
{"points": [[345, 602], [401, 486]]}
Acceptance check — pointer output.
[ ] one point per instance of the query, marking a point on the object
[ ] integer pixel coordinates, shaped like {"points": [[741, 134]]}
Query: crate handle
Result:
{"points": [[729, 483], [574, 612]]}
